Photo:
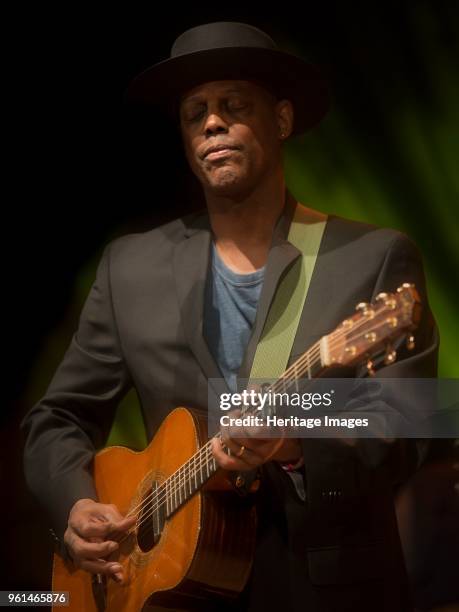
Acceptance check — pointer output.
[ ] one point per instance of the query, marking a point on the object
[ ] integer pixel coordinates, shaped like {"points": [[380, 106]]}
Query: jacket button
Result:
{"points": [[331, 495], [54, 536], [240, 482]]}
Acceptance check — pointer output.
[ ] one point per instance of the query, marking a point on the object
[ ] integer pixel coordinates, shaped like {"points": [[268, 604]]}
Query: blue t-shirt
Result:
{"points": [[229, 313]]}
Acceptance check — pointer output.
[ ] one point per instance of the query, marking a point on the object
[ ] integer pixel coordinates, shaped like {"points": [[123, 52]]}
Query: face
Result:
{"points": [[245, 122]]}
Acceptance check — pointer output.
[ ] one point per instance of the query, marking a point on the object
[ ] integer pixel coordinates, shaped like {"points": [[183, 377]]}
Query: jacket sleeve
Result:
{"points": [[73, 419], [330, 464], [403, 263]]}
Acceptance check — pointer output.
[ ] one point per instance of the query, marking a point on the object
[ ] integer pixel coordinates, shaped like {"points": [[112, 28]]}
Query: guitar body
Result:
{"points": [[204, 549]]}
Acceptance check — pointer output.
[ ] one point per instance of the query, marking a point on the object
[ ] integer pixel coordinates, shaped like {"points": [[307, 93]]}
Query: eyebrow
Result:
{"points": [[197, 97]]}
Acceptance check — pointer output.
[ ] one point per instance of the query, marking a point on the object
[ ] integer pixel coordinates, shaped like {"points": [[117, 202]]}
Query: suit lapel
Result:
{"points": [[191, 264]]}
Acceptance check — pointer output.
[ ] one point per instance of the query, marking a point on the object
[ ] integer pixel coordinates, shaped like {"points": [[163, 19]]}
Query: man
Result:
{"points": [[186, 302]]}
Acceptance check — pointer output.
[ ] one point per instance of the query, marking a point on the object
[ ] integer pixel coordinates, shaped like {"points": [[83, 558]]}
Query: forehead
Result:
{"points": [[218, 88]]}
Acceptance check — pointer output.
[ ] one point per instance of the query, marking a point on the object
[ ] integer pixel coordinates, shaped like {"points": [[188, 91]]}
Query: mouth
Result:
{"points": [[220, 152]]}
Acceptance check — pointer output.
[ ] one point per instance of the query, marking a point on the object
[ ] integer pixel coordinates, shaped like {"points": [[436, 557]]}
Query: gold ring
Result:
{"points": [[240, 452]]}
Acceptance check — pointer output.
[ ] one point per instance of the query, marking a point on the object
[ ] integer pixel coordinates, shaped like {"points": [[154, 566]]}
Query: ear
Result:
{"points": [[285, 117]]}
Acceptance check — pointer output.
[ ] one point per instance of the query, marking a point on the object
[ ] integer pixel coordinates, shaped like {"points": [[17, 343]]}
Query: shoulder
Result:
{"points": [[366, 238], [153, 244]]}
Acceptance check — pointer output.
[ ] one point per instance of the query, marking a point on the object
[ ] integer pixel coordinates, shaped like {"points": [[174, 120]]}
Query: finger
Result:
{"points": [[125, 523], [82, 549], [258, 451], [100, 566], [243, 453], [248, 430], [87, 528], [112, 513], [230, 462]]}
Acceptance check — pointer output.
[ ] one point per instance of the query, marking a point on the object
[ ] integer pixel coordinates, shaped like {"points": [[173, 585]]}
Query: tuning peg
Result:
{"points": [[410, 342], [391, 355], [404, 286], [370, 368], [388, 300], [365, 309]]}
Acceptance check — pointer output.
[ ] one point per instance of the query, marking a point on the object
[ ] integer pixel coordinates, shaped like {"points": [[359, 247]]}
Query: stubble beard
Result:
{"points": [[226, 180]]}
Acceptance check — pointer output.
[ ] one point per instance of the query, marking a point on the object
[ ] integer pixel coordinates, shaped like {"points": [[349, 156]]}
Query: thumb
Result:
{"points": [[124, 522]]}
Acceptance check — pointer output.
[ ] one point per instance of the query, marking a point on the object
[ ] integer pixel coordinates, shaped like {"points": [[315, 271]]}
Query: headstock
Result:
{"points": [[374, 329]]}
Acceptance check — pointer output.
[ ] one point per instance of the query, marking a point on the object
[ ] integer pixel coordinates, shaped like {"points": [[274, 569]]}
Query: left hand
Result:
{"points": [[248, 453]]}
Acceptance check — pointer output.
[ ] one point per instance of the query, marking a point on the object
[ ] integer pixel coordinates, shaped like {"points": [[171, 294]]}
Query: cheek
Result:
{"points": [[190, 150], [260, 146], [189, 143], [189, 147]]}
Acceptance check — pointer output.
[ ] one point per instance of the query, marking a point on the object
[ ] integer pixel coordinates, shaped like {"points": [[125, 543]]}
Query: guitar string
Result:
{"points": [[205, 457], [188, 467]]}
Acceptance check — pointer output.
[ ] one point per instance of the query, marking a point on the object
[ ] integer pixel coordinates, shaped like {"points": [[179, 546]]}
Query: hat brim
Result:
{"points": [[287, 75]]}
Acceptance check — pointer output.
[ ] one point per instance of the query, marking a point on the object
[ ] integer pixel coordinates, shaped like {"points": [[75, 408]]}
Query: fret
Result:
{"points": [[174, 488], [184, 481], [170, 508], [166, 488], [190, 474], [179, 487], [201, 474], [197, 462], [183, 490]]}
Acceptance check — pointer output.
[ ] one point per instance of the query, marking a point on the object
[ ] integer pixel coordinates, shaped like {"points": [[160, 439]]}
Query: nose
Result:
{"points": [[215, 124]]}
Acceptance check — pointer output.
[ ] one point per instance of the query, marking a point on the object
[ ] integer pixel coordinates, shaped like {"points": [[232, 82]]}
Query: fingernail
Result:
{"points": [[118, 577], [112, 546], [116, 567]]}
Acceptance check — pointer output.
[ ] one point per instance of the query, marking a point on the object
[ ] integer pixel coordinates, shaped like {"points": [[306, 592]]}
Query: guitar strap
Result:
{"points": [[276, 341]]}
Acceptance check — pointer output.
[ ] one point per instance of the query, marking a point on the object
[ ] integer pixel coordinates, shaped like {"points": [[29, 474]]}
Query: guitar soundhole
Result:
{"points": [[151, 519]]}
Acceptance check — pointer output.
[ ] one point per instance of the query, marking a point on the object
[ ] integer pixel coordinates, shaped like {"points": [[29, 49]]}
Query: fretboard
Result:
{"points": [[189, 478]]}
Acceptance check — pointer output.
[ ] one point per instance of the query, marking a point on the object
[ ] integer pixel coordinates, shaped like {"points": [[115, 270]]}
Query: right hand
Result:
{"points": [[87, 536]]}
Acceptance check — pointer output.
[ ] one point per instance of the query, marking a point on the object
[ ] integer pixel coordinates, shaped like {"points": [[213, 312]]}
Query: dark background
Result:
{"points": [[83, 168]]}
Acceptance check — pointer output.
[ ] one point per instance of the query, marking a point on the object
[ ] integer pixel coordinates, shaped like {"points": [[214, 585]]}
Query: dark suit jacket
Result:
{"points": [[141, 326]]}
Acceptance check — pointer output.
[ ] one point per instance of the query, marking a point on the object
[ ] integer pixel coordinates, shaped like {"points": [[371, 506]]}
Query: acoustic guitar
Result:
{"points": [[194, 536]]}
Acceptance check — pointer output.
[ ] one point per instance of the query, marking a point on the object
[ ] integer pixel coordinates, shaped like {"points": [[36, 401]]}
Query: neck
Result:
{"points": [[243, 227]]}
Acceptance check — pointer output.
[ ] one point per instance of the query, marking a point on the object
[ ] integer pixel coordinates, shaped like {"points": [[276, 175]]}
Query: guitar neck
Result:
{"points": [[309, 365], [189, 478]]}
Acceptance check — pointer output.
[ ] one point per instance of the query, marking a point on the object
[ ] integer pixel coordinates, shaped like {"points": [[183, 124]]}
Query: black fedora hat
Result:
{"points": [[230, 50]]}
